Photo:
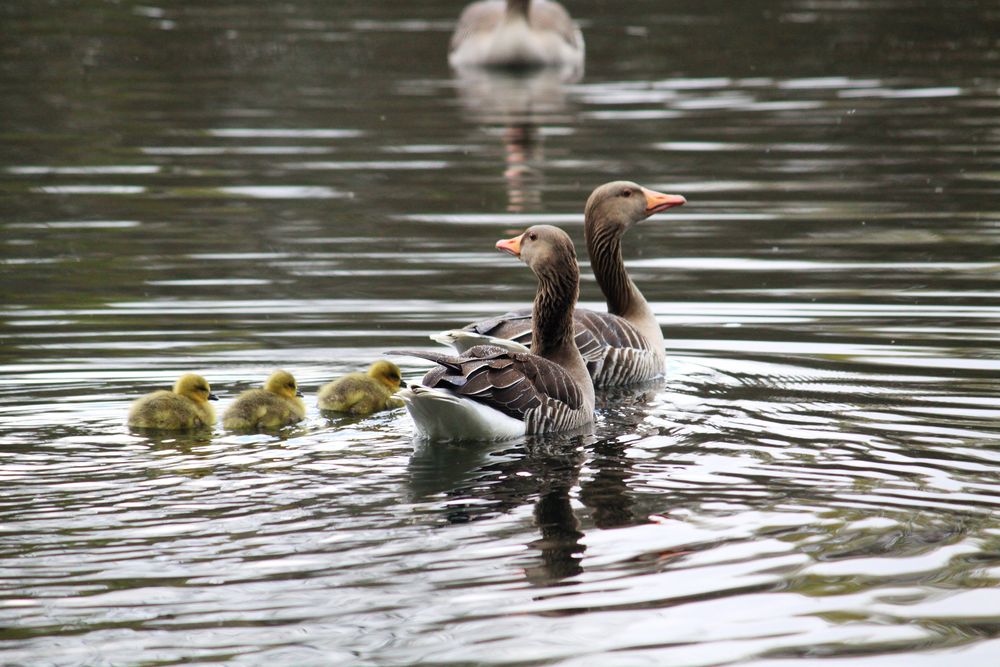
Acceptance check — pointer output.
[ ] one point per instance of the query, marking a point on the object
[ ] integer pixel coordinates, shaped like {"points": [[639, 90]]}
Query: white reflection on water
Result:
{"points": [[91, 189], [283, 133], [281, 191], [86, 170]]}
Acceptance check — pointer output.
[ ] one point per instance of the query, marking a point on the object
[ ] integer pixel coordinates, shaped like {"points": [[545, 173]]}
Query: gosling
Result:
{"points": [[186, 408], [276, 405], [361, 394]]}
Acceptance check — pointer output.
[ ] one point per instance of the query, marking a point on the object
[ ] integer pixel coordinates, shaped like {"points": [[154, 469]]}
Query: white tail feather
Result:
{"points": [[441, 415], [462, 340]]}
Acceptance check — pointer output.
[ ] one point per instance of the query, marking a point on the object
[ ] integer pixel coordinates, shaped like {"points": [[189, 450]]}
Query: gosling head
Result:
{"points": [[283, 384], [195, 387], [386, 373], [618, 205]]}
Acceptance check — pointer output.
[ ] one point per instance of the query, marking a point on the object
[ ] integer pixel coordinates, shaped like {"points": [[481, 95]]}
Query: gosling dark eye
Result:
{"points": [[626, 193]]}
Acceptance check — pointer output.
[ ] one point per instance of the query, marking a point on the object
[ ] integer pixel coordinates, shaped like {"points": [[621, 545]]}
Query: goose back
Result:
{"points": [[527, 387], [624, 345], [516, 33], [615, 351]]}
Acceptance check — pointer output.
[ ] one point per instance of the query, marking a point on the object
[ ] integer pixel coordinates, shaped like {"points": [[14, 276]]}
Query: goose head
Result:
{"points": [[283, 384], [618, 205], [544, 248], [195, 387], [385, 373]]}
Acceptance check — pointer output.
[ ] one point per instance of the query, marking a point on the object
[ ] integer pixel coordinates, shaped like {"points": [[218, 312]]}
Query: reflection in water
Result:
{"points": [[481, 480], [520, 103], [236, 186], [606, 490], [560, 548], [524, 173]]}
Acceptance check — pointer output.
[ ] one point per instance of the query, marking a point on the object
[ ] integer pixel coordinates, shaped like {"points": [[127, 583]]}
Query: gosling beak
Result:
{"points": [[657, 201], [511, 246], [212, 397]]}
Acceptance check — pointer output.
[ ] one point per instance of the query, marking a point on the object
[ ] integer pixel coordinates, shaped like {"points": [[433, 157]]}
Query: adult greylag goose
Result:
{"points": [[362, 394], [516, 33], [276, 405], [491, 392], [622, 346], [184, 409]]}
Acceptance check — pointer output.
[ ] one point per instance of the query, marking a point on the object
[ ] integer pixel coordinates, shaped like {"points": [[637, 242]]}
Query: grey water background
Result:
{"points": [[232, 187]]}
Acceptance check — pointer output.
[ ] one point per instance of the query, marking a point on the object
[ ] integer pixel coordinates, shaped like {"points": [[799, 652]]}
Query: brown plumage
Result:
{"points": [[185, 408], [490, 391], [624, 345], [363, 393], [276, 405]]}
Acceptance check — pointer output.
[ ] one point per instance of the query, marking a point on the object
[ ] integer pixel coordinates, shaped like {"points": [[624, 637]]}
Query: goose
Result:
{"points": [[516, 33], [276, 405], [185, 408], [490, 392], [363, 393], [623, 346]]}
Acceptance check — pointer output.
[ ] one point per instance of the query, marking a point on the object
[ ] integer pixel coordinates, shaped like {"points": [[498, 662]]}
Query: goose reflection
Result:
{"points": [[480, 481], [606, 491], [520, 103]]}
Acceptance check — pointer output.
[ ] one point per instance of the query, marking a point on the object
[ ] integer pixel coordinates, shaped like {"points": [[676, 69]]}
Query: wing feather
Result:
{"points": [[614, 350], [515, 383]]}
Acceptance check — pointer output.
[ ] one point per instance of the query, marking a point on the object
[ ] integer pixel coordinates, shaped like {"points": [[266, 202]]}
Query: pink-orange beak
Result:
{"points": [[657, 201], [512, 246]]}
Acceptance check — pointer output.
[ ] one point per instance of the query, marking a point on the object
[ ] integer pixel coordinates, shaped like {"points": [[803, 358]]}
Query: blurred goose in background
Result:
{"points": [[184, 409], [276, 405], [622, 346], [363, 393], [491, 392], [516, 33]]}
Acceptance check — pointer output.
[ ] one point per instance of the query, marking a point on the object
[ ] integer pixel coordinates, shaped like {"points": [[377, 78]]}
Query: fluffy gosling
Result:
{"points": [[186, 408], [276, 405], [361, 394]]}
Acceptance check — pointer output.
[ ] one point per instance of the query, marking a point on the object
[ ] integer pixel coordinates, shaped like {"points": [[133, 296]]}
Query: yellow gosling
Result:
{"points": [[186, 408], [361, 394], [276, 405]]}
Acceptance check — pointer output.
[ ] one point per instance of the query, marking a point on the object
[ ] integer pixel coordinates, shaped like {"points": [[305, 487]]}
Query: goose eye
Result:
{"points": [[626, 192], [533, 236]]}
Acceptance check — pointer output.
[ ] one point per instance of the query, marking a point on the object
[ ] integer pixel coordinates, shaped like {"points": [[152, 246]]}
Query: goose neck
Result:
{"points": [[604, 247], [552, 313], [518, 8]]}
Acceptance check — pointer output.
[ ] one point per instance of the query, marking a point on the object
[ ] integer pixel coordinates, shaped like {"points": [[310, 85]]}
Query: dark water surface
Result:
{"points": [[232, 187]]}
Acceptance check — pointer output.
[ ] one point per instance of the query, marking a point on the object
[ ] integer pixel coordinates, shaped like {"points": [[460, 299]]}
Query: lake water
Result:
{"points": [[233, 187]]}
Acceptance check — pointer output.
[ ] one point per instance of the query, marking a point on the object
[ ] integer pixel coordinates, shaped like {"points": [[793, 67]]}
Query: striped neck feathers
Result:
{"points": [[518, 8], [604, 245], [552, 313]]}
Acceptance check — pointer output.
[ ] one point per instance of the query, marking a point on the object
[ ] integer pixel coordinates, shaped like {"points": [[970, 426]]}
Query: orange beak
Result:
{"points": [[512, 246], [657, 201]]}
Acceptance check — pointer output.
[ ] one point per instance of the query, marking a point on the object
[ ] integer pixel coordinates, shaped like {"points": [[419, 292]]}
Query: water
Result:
{"points": [[232, 187]]}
